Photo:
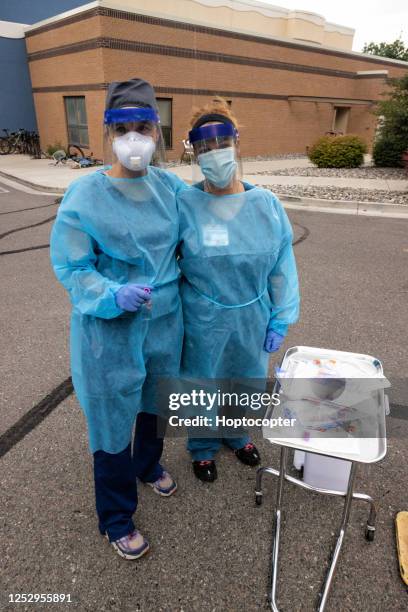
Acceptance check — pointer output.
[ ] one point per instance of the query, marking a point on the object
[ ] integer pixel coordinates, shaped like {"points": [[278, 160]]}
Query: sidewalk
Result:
{"points": [[43, 175], [40, 173]]}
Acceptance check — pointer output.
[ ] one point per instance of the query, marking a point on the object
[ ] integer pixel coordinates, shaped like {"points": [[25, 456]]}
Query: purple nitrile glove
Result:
{"points": [[273, 341], [131, 296]]}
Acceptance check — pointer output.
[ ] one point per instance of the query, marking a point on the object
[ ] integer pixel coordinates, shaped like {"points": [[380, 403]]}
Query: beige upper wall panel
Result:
{"points": [[254, 17], [217, 16], [337, 40], [307, 31]]}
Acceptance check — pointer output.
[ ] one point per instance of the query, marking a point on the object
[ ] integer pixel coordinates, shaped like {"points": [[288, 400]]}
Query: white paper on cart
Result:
{"points": [[349, 382]]}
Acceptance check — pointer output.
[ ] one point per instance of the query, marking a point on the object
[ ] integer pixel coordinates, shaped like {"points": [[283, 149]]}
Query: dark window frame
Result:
{"points": [[169, 127], [336, 115], [80, 126]]}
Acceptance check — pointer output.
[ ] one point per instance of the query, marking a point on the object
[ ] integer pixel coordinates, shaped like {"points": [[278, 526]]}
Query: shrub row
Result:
{"points": [[338, 152]]}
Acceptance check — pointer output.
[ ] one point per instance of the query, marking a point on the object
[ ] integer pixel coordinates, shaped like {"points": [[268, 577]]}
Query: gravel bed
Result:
{"points": [[277, 156], [365, 172], [335, 193]]}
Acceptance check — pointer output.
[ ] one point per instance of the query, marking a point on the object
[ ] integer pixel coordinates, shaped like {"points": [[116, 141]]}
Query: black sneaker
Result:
{"points": [[249, 454], [205, 470]]}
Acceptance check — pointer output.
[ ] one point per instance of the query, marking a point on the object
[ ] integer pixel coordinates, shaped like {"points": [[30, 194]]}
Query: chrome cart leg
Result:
{"points": [[339, 543], [258, 486], [370, 527], [277, 526]]}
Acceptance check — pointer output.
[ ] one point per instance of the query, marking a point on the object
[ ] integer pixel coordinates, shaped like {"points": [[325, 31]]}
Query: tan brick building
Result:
{"points": [[285, 92]]}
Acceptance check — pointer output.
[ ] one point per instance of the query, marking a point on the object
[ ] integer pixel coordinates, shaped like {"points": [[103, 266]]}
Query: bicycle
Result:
{"points": [[21, 141], [5, 144], [13, 142], [75, 157]]}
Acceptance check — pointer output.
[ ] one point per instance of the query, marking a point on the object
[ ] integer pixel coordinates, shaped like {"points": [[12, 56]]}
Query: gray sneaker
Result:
{"points": [[165, 485], [131, 546]]}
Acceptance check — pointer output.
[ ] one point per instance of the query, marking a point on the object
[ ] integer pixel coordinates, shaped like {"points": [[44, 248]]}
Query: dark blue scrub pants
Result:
{"points": [[205, 449], [115, 477]]}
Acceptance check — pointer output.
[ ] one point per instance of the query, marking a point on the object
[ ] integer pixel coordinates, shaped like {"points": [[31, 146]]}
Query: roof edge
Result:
{"points": [[288, 42], [12, 29], [62, 16]]}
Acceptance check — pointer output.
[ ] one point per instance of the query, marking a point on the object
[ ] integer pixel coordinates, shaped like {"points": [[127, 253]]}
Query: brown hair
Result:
{"points": [[217, 105]]}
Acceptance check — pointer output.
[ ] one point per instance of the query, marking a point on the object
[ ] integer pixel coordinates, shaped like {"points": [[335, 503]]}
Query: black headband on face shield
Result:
{"points": [[211, 117]]}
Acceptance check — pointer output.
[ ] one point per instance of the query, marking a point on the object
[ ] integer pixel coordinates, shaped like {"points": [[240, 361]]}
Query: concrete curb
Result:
{"points": [[35, 186], [342, 207]]}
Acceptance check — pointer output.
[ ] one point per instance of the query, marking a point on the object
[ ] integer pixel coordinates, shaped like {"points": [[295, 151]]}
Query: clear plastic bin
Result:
{"points": [[326, 472]]}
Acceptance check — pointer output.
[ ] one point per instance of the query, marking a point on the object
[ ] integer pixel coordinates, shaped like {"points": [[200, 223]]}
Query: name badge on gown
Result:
{"points": [[215, 235]]}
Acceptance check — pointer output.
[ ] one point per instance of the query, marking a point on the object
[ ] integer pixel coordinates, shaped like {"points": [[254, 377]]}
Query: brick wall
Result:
{"points": [[269, 124], [71, 33], [51, 121]]}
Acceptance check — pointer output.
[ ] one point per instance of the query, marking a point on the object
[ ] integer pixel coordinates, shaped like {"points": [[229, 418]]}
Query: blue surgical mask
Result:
{"points": [[218, 166]]}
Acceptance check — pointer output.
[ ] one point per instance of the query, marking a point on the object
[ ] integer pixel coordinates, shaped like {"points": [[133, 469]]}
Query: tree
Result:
{"points": [[394, 50], [392, 140]]}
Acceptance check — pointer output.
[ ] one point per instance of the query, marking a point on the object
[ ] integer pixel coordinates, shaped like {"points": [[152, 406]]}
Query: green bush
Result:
{"points": [[338, 152], [388, 150], [50, 150], [392, 139]]}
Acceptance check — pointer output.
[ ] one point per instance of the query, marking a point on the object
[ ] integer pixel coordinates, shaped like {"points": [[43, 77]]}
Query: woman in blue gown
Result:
{"points": [[239, 280], [113, 248]]}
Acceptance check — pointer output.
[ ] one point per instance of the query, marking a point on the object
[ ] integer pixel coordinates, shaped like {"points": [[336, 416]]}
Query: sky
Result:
{"points": [[373, 20]]}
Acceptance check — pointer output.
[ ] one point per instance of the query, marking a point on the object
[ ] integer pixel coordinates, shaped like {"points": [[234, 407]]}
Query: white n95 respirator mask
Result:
{"points": [[133, 150]]}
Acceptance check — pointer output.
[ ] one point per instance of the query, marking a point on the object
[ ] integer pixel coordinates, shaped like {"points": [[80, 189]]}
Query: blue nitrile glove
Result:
{"points": [[131, 296], [273, 341]]}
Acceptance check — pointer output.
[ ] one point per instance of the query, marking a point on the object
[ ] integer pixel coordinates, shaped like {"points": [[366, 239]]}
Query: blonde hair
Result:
{"points": [[219, 106]]}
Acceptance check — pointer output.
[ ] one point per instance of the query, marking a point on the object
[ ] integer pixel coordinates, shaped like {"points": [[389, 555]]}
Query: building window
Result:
{"points": [[340, 119], [166, 120], [77, 124]]}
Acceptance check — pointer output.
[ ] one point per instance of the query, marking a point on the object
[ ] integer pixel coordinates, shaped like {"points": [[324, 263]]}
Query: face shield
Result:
{"points": [[216, 153], [132, 137]]}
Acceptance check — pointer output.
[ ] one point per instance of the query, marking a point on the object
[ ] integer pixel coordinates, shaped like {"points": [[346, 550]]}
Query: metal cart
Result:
{"points": [[371, 450]]}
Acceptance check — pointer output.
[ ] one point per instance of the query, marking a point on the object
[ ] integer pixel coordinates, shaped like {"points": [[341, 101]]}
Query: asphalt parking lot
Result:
{"points": [[210, 544]]}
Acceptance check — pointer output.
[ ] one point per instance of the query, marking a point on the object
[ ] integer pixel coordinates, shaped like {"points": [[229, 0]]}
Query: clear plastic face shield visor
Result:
{"points": [[133, 138], [216, 152]]}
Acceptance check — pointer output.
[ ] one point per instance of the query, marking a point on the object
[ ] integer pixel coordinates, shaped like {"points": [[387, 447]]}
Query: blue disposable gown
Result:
{"points": [[110, 232], [239, 279]]}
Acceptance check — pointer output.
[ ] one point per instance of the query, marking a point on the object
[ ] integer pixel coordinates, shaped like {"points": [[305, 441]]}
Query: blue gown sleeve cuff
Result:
{"points": [[278, 327], [116, 310], [103, 306]]}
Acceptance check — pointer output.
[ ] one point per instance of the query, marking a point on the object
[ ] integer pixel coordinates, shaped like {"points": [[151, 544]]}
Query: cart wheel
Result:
{"points": [[369, 534], [258, 499]]}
